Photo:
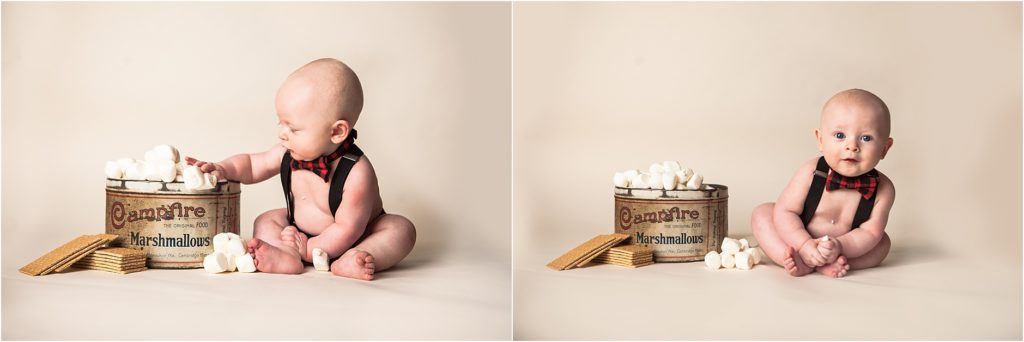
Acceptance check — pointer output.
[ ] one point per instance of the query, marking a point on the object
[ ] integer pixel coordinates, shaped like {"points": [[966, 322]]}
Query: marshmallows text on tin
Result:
{"points": [[320, 261], [713, 260]]}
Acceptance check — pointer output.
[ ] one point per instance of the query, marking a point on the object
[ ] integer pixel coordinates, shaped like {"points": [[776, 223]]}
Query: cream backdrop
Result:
{"points": [[734, 91], [84, 83]]}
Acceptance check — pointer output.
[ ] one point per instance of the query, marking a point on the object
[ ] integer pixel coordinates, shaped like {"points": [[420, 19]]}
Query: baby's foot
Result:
{"points": [[794, 265], [271, 259], [293, 238], [836, 269], [354, 264]]}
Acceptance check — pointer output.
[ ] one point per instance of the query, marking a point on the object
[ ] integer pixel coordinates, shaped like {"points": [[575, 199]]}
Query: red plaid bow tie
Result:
{"points": [[321, 166], [866, 184]]}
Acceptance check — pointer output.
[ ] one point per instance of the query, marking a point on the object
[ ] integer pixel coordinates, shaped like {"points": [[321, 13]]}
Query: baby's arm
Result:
{"points": [[787, 216], [354, 213], [245, 168], [858, 242]]}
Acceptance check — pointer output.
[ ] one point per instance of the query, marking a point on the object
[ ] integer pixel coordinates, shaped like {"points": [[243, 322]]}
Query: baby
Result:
{"points": [[330, 187], [839, 195]]}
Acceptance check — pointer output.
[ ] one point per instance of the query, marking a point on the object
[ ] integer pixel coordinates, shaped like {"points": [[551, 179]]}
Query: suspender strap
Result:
{"points": [[865, 206], [341, 172], [818, 187], [345, 165], [286, 184], [814, 193]]}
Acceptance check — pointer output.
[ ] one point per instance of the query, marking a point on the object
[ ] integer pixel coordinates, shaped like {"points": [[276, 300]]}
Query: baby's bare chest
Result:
{"points": [[835, 212]]}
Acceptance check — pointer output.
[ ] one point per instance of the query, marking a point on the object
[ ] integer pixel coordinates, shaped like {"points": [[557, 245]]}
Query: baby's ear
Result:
{"points": [[888, 145], [339, 131], [817, 137]]}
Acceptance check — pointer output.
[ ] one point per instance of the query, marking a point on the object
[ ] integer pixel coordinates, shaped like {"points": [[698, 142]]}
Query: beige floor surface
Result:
{"points": [[918, 293], [447, 297]]}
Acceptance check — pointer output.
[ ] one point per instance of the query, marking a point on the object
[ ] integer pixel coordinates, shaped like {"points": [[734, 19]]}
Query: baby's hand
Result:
{"points": [[810, 255], [830, 249], [206, 167]]}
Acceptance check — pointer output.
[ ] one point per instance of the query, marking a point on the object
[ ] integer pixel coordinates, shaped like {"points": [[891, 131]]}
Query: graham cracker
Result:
{"points": [[120, 252], [110, 264], [586, 251], [65, 255], [631, 249], [104, 239], [617, 239]]}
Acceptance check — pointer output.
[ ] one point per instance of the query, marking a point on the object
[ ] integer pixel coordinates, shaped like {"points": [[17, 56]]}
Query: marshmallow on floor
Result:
{"points": [[216, 262], [735, 253], [320, 260]]}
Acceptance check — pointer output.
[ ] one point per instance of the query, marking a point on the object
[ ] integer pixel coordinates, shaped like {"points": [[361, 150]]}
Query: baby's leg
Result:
{"points": [[873, 257], [772, 245], [388, 240], [270, 253]]}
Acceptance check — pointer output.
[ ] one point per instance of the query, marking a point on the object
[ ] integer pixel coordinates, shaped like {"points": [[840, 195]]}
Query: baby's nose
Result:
{"points": [[281, 134]]}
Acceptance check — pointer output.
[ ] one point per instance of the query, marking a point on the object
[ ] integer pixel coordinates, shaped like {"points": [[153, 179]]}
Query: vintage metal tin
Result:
{"points": [[173, 225], [680, 225]]}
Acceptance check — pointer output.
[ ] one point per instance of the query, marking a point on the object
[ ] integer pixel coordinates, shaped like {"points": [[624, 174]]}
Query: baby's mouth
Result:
{"points": [[849, 160]]}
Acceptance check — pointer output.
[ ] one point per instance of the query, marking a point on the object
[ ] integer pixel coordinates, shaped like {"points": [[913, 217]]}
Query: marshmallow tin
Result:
{"points": [[680, 225], [173, 225]]}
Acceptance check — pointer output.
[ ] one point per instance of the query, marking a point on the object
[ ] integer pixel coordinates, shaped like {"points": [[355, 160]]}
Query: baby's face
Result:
{"points": [[305, 119], [853, 137]]}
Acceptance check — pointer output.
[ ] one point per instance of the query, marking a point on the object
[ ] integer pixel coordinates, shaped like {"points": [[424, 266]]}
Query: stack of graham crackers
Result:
{"points": [[587, 251], [632, 256], [67, 254], [114, 259]]}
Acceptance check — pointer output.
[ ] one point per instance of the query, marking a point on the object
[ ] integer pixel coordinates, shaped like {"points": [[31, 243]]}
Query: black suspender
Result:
{"points": [[818, 187], [345, 164]]}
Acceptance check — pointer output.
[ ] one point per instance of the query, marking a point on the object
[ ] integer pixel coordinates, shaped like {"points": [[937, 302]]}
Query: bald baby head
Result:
{"points": [[325, 86], [859, 102]]}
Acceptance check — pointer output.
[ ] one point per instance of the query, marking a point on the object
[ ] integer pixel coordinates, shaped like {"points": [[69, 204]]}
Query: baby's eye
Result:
{"points": [[866, 138], [839, 135]]}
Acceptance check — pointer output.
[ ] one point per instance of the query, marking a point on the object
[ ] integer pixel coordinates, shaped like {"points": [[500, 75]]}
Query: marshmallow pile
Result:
{"points": [[161, 164], [666, 175], [735, 254], [228, 255]]}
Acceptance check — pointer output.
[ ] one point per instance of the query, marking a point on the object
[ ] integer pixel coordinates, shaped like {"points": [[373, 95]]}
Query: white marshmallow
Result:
{"points": [[151, 170], [245, 263], [713, 260], [135, 171], [641, 181], [744, 244], [684, 175], [695, 182], [668, 180], [630, 173], [149, 156], [193, 177], [744, 261], [166, 170], [112, 170], [179, 178], [320, 260], [209, 181], [125, 163], [755, 253], [165, 152], [231, 263], [655, 182], [620, 180], [228, 243], [728, 261], [656, 168], [730, 246], [216, 262], [824, 238], [670, 166]]}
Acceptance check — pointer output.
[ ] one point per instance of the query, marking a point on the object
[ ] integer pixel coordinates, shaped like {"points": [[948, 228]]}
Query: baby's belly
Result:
{"points": [[834, 216], [311, 218]]}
